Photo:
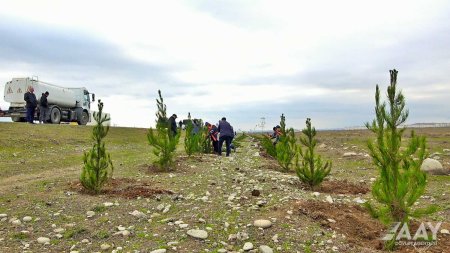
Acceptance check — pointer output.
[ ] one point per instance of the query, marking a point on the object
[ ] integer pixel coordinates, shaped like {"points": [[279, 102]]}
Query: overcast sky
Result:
{"points": [[240, 59]]}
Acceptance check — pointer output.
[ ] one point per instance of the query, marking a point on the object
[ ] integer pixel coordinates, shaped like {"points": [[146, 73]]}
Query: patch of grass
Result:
{"points": [[73, 232], [102, 234], [99, 208], [20, 236]]}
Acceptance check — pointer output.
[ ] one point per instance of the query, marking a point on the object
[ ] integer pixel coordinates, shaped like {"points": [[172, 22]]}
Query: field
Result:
{"points": [[142, 210]]}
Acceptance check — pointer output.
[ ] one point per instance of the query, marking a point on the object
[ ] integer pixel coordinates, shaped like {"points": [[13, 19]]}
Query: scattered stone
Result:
{"points": [[58, 230], [198, 233], [350, 154], [359, 200], [43, 240], [159, 251], [27, 218], [445, 231], [16, 222], [248, 246], [329, 199], [316, 194], [90, 214], [265, 249], [138, 214], [105, 246], [108, 204], [262, 223], [331, 221], [85, 241], [3, 215], [166, 209], [183, 225], [289, 212], [275, 238], [372, 179], [256, 154], [160, 207], [335, 249], [323, 145], [434, 167]]}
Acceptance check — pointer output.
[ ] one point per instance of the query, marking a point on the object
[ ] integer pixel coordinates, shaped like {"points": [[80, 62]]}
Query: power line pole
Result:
{"points": [[262, 124]]}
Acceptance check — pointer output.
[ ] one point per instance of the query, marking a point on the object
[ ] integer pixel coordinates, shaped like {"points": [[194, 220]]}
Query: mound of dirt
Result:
{"points": [[352, 221], [360, 228], [123, 187], [342, 187]]}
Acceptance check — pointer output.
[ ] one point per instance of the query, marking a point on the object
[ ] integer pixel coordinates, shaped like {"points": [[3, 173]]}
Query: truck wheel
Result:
{"points": [[18, 119], [84, 118], [55, 115]]}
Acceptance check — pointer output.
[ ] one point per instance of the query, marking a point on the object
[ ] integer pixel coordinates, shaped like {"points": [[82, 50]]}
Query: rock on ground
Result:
{"points": [[159, 251], [265, 249], [43, 240], [262, 223], [198, 233], [434, 167]]}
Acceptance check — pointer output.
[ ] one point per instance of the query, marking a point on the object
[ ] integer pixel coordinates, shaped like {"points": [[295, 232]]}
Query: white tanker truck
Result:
{"points": [[64, 104]]}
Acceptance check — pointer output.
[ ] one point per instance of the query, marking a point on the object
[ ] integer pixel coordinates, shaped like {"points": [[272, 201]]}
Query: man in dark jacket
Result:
{"points": [[173, 125], [226, 134], [31, 100], [43, 107]]}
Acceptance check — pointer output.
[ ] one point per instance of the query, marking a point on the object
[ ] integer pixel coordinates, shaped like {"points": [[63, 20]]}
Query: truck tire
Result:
{"points": [[18, 119], [55, 115], [84, 119]]}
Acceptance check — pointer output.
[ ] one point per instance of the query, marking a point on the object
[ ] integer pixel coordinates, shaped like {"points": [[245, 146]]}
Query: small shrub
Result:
{"points": [[311, 170], [401, 182], [286, 146], [98, 166], [268, 146], [164, 144], [205, 141]]}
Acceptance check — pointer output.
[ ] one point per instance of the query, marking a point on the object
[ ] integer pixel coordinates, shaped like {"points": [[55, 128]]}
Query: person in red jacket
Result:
{"points": [[213, 132]]}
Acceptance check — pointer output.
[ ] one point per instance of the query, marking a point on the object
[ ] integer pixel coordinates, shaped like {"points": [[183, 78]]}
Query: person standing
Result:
{"points": [[43, 107], [173, 125], [31, 100], [226, 134]]}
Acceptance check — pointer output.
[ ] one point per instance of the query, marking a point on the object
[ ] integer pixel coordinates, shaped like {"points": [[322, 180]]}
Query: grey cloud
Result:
{"points": [[79, 57]]}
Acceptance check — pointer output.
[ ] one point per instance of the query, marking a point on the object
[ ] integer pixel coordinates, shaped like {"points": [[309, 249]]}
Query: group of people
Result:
{"points": [[32, 103], [220, 133]]}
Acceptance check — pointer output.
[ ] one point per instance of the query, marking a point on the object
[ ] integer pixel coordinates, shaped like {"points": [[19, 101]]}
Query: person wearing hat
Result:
{"points": [[173, 125], [43, 108]]}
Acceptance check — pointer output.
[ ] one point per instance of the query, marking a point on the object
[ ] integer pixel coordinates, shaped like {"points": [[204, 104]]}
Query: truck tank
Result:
{"points": [[63, 97]]}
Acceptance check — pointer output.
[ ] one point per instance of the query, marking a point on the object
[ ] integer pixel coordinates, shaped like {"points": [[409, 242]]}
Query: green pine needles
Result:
{"points": [[98, 166], [286, 147], [163, 143], [268, 145], [401, 182], [311, 169]]}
